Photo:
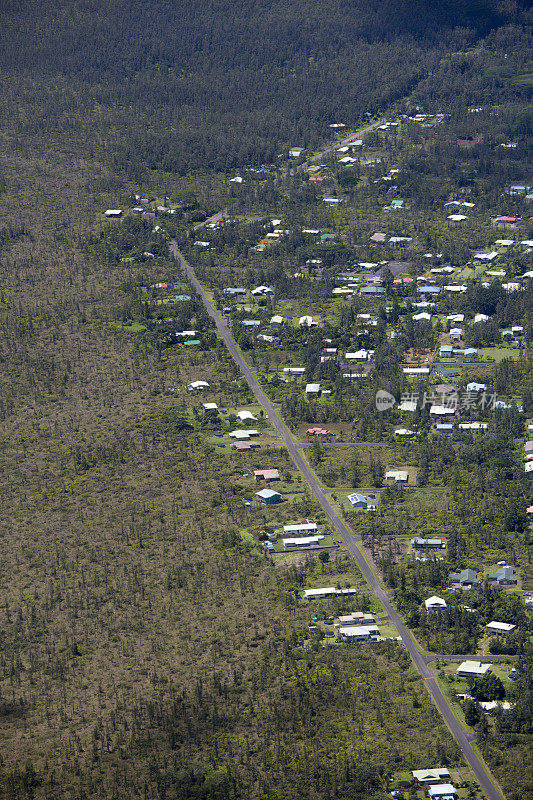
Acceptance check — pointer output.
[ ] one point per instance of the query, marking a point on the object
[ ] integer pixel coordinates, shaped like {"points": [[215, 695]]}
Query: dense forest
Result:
{"points": [[218, 85]]}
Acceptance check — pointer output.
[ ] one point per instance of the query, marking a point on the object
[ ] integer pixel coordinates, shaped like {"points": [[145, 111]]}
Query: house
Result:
{"points": [[455, 219], [358, 633], [505, 221], [296, 152], [246, 415], [378, 238], [475, 387], [319, 594], [505, 576], [262, 291], [113, 212], [358, 500], [456, 334], [236, 179], [240, 435], [437, 410], [408, 405], [470, 352], [197, 385], [332, 201], [467, 578], [427, 544], [250, 323], [312, 389], [399, 239], [500, 628], [294, 370], [243, 446], [435, 604], [481, 318], [276, 320], [303, 541], [234, 291], [306, 321], [358, 355], [426, 777], [184, 334], [269, 497], [403, 432], [358, 617], [266, 475], [210, 407], [428, 289], [472, 669], [397, 475], [300, 528], [422, 316], [493, 705], [442, 791]]}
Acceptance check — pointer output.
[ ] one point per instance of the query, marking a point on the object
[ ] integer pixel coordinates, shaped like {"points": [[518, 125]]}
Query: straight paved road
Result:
{"points": [[462, 738]]}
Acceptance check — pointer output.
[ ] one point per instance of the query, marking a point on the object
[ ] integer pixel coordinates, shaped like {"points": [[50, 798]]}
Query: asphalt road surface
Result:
{"points": [[462, 738]]}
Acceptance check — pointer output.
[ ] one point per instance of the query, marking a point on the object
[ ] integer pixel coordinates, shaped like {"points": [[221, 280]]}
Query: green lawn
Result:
{"points": [[499, 353]]}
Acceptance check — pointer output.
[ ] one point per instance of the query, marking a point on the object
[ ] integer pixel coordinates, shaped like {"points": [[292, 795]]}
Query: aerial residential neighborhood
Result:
{"points": [[266, 416]]}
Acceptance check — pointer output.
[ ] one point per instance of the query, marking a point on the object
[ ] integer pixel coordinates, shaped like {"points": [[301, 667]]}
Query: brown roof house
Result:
{"points": [[266, 475]]}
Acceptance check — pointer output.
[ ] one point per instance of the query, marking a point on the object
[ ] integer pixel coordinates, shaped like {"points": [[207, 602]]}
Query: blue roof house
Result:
{"points": [[446, 351], [358, 500], [428, 289], [268, 496]]}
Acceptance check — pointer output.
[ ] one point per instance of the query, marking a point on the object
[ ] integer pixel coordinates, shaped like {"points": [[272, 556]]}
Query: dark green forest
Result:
{"points": [[216, 85]]}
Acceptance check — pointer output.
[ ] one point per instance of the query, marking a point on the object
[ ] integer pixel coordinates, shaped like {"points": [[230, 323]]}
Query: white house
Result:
{"points": [[319, 594], [500, 628], [358, 355], [196, 385], [354, 633], [302, 541], [312, 389], [397, 475], [113, 212], [306, 321], [442, 791], [294, 370], [472, 669], [210, 406], [243, 415], [429, 776], [435, 604], [262, 291], [299, 528]]}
